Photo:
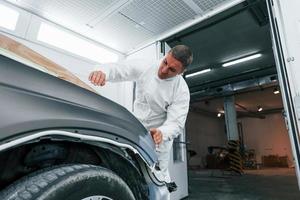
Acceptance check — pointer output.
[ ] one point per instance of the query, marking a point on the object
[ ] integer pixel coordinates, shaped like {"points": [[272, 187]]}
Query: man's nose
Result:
{"points": [[164, 69]]}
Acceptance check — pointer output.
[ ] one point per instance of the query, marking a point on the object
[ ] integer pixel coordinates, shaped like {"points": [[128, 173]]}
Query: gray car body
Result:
{"points": [[33, 101]]}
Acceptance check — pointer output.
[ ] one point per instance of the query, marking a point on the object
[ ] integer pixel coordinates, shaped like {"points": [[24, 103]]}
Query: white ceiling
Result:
{"points": [[120, 24]]}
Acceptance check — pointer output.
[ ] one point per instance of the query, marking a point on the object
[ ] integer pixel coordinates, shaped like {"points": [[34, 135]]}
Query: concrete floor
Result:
{"points": [[263, 184]]}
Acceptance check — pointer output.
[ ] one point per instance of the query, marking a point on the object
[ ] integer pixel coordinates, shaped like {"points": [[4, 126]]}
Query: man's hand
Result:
{"points": [[98, 78], [156, 135]]}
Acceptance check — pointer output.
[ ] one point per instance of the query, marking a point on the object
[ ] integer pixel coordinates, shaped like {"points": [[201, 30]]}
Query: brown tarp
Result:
{"points": [[34, 57]]}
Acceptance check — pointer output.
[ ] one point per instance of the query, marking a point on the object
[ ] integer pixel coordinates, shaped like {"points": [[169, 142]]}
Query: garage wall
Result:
{"points": [[267, 136], [150, 53], [203, 131]]}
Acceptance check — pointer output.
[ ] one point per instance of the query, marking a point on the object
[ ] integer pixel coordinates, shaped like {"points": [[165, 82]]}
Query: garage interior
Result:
{"points": [[249, 88], [266, 155]]}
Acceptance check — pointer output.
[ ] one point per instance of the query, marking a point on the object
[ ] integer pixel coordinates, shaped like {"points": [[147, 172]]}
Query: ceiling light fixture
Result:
{"points": [[199, 72], [259, 108], [67, 41], [276, 91], [242, 60], [219, 114], [9, 17]]}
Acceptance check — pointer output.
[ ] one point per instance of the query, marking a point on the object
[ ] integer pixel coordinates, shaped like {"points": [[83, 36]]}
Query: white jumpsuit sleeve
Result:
{"points": [[176, 114], [124, 71]]}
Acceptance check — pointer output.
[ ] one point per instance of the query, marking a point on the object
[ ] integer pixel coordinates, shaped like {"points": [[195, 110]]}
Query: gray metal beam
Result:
{"points": [[230, 118]]}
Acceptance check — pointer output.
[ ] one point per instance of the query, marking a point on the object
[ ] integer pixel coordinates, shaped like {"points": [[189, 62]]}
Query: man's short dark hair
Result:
{"points": [[183, 54]]}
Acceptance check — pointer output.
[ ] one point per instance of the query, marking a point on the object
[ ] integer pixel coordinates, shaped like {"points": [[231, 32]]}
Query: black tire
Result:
{"points": [[69, 182]]}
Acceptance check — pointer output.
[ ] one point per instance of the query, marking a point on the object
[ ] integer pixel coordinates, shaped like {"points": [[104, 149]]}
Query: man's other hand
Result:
{"points": [[97, 78], [156, 135]]}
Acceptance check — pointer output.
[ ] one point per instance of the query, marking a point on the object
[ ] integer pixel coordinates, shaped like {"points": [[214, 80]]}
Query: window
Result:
{"points": [[8, 18], [64, 40]]}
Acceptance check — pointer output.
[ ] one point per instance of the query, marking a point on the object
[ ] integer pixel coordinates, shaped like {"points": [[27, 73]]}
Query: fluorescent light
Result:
{"points": [[67, 41], [197, 73], [259, 108], [276, 91], [8, 17], [242, 60]]}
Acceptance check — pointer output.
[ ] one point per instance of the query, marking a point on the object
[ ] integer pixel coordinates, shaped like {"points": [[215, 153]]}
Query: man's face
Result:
{"points": [[169, 67]]}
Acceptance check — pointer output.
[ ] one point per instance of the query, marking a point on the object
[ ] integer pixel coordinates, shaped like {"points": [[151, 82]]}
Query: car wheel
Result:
{"points": [[69, 182]]}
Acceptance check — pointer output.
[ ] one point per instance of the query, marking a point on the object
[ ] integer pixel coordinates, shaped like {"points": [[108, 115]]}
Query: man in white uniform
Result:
{"points": [[162, 96]]}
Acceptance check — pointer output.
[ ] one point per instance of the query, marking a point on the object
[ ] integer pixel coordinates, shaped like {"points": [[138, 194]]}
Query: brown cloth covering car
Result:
{"points": [[28, 54]]}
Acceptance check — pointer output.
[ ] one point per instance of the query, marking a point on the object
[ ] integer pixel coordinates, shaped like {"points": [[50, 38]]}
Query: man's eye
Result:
{"points": [[173, 70]]}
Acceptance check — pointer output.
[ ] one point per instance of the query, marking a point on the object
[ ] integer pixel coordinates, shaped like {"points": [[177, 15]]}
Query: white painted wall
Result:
{"points": [[203, 131], [267, 136], [150, 52]]}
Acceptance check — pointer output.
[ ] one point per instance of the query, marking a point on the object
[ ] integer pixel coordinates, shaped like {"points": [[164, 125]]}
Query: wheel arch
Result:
{"points": [[50, 151]]}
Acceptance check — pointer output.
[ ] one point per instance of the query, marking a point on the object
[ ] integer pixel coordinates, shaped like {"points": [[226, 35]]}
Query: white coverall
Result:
{"points": [[159, 103]]}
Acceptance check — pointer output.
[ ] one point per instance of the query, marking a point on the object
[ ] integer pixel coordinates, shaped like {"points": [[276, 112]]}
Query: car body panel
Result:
{"points": [[32, 101]]}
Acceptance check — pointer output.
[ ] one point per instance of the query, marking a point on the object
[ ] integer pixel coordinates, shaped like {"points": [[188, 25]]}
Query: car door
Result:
{"points": [[285, 29]]}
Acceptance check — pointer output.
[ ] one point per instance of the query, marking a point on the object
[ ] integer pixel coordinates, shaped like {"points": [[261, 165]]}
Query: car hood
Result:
{"points": [[32, 100]]}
